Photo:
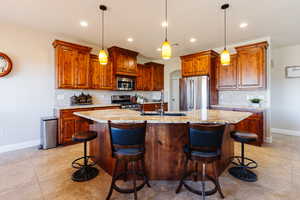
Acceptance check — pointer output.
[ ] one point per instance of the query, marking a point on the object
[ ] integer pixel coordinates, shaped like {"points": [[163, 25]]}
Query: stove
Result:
{"points": [[125, 101]]}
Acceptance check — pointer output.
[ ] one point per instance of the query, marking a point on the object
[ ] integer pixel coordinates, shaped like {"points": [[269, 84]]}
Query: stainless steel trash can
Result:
{"points": [[48, 132]]}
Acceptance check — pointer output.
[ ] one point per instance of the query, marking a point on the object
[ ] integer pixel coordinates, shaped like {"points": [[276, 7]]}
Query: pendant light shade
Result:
{"points": [[166, 49], [225, 55], [103, 58]]}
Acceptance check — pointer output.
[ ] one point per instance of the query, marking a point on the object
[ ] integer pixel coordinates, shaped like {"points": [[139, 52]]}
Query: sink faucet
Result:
{"points": [[161, 110]]}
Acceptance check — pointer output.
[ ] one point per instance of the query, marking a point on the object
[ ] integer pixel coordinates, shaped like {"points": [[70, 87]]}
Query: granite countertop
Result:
{"points": [[84, 106], [152, 102], [242, 107], [199, 116]]}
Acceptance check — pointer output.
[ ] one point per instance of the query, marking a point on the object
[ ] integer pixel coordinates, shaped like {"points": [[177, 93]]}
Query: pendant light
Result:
{"points": [[103, 58], [225, 55], [166, 50]]}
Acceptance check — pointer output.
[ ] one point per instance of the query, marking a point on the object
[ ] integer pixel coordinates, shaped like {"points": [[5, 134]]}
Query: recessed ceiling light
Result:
{"points": [[130, 39], [243, 25], [193, 40], [83, 23], [164, 24], [158, 49]]}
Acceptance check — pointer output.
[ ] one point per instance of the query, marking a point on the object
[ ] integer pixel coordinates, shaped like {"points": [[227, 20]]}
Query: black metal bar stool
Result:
{"points": [[204, 146], [85, 171], [242, 163], [128, 145]]}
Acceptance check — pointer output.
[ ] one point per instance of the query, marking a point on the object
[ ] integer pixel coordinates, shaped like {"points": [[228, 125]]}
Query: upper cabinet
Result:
{"points": [[202, 64], [72, 65], [252, 66], [227, 75], [247, 69], [124, 61], [150, 77], [101, 75]]}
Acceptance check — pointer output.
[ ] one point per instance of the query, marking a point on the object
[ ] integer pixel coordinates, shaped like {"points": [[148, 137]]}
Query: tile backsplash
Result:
{"points": [[62, 97], [242, 97]]}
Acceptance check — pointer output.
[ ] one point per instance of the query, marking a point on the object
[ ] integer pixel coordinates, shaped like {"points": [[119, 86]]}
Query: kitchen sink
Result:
{"points": [[165, 114]]}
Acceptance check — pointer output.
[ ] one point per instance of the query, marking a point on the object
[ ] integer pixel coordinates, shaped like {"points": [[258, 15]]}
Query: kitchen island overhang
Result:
{"points": [[165, 138]]}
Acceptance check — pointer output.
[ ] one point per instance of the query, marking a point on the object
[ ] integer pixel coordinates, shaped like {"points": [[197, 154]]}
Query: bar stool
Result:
{"points": [[128, 145], [85, 171], [243, 164], [204, 146]]}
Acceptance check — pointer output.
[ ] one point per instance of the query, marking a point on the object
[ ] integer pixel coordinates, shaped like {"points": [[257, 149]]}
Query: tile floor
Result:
{"points": [[31, 174]]}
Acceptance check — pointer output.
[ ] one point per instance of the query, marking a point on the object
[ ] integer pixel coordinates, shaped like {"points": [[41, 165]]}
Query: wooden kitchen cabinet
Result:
{"points": [[72, 65], [150, 77], [247, 69], [153, 106], [69, 123], [124, 61], [101, 75], [252, 66], [157, 76], [253, 124], [227, 75], [202, 64]]}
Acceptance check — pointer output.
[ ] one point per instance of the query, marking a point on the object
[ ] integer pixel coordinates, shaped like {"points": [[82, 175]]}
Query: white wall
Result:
{"points": [[28, 92], [285, 98]]}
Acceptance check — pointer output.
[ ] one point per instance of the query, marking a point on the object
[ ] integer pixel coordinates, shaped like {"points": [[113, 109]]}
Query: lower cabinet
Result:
{"points": [[253, 124], [154, 106], [69, 123]]}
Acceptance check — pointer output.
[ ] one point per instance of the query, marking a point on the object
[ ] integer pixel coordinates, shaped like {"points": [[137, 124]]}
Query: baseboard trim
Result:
{"points": [[22, 145], [268, 139], [285, 132]]}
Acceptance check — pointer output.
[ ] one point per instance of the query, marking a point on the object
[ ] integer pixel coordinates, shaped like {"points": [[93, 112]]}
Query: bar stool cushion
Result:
{"points": [[128, 152], [244, 137], [84, 136], [202, 154]]}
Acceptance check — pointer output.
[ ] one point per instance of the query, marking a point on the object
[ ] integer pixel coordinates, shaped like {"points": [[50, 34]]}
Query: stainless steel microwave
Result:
{"points": [[125, 84]]}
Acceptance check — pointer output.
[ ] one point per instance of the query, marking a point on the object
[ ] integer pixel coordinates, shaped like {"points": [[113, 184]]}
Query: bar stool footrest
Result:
{"points": [[243, 173], [128, 191], [248, 163], [77, 165]]}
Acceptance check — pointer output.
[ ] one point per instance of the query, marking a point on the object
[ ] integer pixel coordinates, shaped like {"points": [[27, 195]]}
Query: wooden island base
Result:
{"points": [[164, 156]]}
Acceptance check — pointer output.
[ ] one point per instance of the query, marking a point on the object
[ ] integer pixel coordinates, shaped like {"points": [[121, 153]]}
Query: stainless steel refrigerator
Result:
{"points": [[194, 93]]}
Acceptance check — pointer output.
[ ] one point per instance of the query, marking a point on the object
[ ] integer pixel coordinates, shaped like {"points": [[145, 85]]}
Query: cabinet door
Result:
{"points": [[101, 75], [106, 71], [251, 68], [253, 124], [65, 58], [158, 78], [201, 65], [148, 78], [139, 78], [187, 67], [132, 66], [227, 75], [82, 70], [81, 125], [67, 130], [121, 63]]}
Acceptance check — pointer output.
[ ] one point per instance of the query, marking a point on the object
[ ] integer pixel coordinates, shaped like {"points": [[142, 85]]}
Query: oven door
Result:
{"points": [[125, 84]]}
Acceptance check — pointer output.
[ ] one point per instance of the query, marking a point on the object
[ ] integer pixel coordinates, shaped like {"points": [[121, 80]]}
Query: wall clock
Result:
{"points": [[5, 65]]}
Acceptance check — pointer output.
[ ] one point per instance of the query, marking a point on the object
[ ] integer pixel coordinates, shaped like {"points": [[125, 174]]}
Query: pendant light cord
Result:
{"points": [[166, 17], [102, 42], [225, 29]]}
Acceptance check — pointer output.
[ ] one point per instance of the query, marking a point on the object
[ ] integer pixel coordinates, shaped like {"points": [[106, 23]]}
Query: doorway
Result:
{"points": [[174, 90]]}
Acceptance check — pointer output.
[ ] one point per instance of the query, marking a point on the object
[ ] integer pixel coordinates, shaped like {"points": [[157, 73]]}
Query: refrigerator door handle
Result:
{"points": [[193, 95]]}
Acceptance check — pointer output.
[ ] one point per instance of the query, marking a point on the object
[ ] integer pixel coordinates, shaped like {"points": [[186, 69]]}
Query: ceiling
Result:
{"points": [[141, 20]]}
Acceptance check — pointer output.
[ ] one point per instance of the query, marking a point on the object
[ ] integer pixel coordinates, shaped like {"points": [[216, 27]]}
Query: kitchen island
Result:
{"points": [[165, 138]]}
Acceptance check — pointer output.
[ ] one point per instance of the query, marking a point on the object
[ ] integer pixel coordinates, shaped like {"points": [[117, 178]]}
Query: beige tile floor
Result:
{"points": [[30, 175]]}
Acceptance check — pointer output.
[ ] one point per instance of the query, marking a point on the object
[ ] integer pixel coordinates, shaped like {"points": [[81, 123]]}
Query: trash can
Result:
{"points": [[48, 132]]}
